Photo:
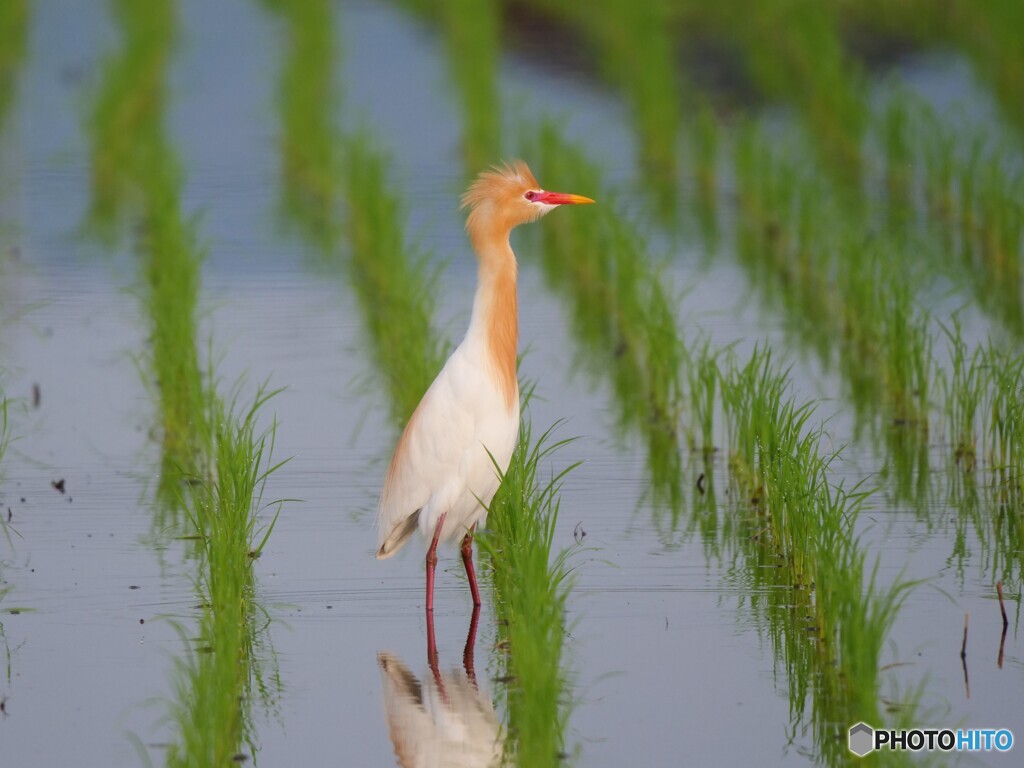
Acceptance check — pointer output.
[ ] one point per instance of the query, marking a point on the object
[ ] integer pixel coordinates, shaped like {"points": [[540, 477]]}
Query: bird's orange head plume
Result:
{"points": [[505, 196]]}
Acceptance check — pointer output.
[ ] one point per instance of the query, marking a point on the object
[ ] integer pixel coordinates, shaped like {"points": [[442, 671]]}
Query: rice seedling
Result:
{"points": [[472, 33], [393, 281], [14, 25], [171, 266], [962, 395], [985, 32], [531, 585], [135, 173], [633, 46], [337, 189], [1006, 422], [898, 161], [705, 158], [215, 680], [622, 309], [836, 284], [702, 380], [307, 94], [212, 459], [804, 525], [793, 51], [128, 111]]}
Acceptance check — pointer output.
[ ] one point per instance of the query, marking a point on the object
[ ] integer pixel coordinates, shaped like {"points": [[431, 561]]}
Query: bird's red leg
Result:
{"points": [[432, 564], [467, 560]]}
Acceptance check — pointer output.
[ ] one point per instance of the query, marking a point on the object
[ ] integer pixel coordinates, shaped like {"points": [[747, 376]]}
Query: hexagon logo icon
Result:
{"points": [[862, 739]]}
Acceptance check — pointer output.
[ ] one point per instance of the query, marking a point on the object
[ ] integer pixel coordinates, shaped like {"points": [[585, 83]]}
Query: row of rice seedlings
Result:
{"points": [[129, 107], [208, 454], [134, 171], [622, 309], [988, 33], [216, 678], [961, 191], [703, 158], [635, 47], [307, 100], [531, 586], [472, 33], [172, 265], [982, 395], [794, 51], [14, 27], [808, 524], [834, 283], [394, 282]]}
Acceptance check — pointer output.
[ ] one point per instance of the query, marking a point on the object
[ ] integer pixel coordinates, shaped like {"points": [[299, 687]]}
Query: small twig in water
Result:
{"points": [[1002, 606], [1002, 637], [963, 658], [963, 646]]}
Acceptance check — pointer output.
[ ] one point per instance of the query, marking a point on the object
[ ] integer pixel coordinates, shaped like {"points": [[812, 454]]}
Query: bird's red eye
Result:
{"points": [[530, 195]]}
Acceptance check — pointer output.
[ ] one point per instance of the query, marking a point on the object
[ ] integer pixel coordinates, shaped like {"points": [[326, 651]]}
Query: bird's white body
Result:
{"points": [[448, 458]]}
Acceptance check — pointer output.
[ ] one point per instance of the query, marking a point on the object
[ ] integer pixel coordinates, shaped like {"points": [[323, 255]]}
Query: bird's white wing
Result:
{"points": [[428, 454]]}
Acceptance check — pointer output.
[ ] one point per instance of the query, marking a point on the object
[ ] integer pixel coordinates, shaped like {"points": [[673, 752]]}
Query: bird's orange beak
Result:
{"points": [[561, 198]]}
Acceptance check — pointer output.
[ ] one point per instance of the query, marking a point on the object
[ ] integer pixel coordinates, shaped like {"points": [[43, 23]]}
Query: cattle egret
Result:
{"points": [[444, 471]]}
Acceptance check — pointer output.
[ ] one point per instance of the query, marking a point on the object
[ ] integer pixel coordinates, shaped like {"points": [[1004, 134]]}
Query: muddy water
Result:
{"points": [[668, 663]]}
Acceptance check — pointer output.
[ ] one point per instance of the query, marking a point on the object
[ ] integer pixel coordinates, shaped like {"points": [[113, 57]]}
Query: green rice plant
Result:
{"points": [[307, 95], [135, 173], [1006, 423], [215, 681], [634, 45], [129, 109], [531, 586], [793, 51], [172, 263], [622, 309], [965, 195], [705, 141], [393, 281], [337, 190], [703, 377], [472, 33], [782, 239], [809, 254], [898, 163], [999, 239], [962, 395], [15, 16], [830, 627], [908, 365], [987, 32]]}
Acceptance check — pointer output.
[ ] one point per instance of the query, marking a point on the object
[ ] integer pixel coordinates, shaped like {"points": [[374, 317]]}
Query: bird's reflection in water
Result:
{"points": [[444, 721]]}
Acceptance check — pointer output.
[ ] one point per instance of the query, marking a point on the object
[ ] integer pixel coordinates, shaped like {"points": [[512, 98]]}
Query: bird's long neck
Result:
{"points": [[495, 321]]}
